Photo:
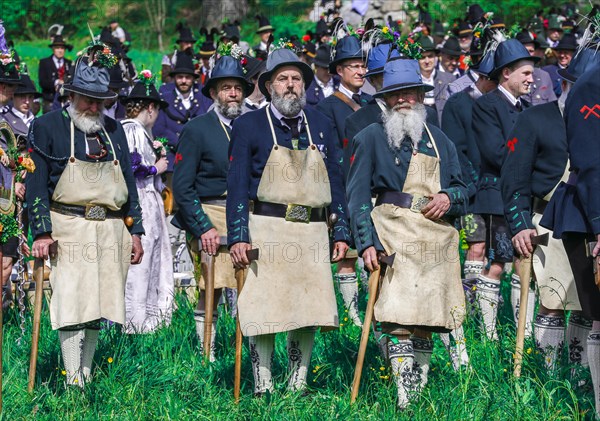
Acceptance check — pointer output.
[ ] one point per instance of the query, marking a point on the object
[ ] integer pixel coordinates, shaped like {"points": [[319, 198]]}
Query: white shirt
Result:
{"points": [[347, 91], [429, 97], [186, 102], [25, 118], [327, 88], [258, 105], [226, 121], [58, 62], [111, 111], [508, 95]]}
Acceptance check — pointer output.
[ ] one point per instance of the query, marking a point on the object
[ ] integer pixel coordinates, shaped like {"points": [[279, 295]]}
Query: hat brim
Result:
{"points": [[494, 73], [265, 29], [452, 53], [374, 72], [565, 48], [248, 86], [206, 54], [401, 86], [307, 75], [566, 75], [60, 44], [162, 104], [35, 94], [88, 93], [184, 72], [191, 40], [11, 81]]}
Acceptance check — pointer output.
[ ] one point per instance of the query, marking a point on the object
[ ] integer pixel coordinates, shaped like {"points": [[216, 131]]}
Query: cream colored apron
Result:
{"points": [[224, 271], [90, 269], [552, 270], [290, 286], [423, 287]]}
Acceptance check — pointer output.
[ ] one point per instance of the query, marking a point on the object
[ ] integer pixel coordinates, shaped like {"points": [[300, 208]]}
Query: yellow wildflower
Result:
{"points": [[345, 319], [110, 360], [381, 368], [385, 30], [64, 372], [529, 350]]}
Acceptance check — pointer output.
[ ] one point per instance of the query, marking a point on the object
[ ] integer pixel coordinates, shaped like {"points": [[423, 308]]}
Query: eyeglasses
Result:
{"points": [[355, 67]]}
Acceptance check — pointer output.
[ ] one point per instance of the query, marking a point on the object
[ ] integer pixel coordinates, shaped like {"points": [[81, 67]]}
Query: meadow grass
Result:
{"points": [[162, 376]]}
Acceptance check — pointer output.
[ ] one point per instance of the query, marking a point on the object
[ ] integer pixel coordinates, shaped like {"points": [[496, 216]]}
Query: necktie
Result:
{"points": [[293, 125], [519, 106], [95, 146], [356, 98]]}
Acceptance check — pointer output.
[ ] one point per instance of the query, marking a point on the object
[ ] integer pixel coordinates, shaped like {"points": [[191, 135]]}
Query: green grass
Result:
{"points": [[162, 376]]}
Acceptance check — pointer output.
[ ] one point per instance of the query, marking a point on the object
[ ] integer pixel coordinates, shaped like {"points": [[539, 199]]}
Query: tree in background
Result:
{"points": [[157, 15]]}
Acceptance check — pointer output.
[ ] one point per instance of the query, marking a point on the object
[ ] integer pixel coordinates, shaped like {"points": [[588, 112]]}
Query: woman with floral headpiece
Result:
{"points": [[149, 289]]}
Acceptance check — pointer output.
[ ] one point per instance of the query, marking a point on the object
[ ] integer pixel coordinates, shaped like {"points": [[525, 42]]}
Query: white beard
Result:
{"points": [[85, 123], [401, 123], [230, 110]]}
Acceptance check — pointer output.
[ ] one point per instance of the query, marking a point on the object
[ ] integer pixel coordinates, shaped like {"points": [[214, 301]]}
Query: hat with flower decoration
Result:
{"points": [[346, 45], [145, 89], [228, 65], [404, 72], [9, 72], [92, 77], [282, 55]]}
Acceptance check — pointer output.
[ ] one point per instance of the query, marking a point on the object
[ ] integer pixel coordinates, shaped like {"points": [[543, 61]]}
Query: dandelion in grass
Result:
{"points": [[529, 350], [64, 372], [110, 360], [345, 319], [382, 368]]}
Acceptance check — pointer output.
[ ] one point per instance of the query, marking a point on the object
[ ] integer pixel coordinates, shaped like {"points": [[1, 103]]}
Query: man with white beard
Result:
{"points": [[285, 158], [200, 180], [413, 170], [84, 213]]}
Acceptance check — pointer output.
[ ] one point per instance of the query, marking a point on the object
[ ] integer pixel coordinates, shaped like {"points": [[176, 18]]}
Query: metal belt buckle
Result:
{"points": [[298, 213], [95, 213], [419, 202]]}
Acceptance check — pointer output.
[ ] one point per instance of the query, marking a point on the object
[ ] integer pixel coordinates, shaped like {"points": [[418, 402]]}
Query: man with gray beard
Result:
{"points": [[200, 185], [285, 158], [84, 213], [413, 170]]}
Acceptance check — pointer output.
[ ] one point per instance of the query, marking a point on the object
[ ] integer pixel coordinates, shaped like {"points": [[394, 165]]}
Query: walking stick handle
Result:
{"points": [[38, 276], [525, 274], [373, 286], [240, 276]]}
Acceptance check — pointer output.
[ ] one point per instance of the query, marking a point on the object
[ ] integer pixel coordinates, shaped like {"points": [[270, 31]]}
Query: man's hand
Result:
{"points": [[210, 241], [20, 191], [339, 251], [522, 242], [41, 246], [437, 207], [137, 251], [597, 248], [370, 258], [238, 255]]}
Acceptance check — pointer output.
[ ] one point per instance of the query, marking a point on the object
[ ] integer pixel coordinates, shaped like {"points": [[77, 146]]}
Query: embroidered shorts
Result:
{"points": [[474, 228], [498, 244]]}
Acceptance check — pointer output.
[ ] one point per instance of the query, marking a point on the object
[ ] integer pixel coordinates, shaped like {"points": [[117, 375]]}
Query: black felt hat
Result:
{"points": [[263, 24], [185, 33], [27, 87], [184, 65], [451, 47], [58, 41], [144, 89]]}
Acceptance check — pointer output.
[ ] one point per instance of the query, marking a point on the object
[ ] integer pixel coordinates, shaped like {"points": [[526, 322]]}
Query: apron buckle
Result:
{"points": [[419, 202], [298, 213], [95, 212]]}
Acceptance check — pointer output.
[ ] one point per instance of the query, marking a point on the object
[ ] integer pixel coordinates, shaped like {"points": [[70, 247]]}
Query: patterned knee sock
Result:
{"points": [[593, 349], [402, 358], [199, 317], [472, 270], [423, 348], [89, 349], [577, 332], [71, 345], [457, 352], [488, 295], [348, 285], [299, 347], [261, 356], [549, 337], [515, 300]]}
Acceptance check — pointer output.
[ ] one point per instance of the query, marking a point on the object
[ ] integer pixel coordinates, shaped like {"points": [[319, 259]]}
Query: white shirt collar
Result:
{"points": [[261, 104], [187, 102], [25, 118], [347, 91], [226, 121], [58, 61], [280, 116], [508, 95]]}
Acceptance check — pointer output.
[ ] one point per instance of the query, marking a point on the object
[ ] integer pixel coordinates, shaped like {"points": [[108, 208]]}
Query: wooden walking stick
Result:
{"points": [[240, 278], [207, 263], [362, 349], [525, 268], [38, 276]]}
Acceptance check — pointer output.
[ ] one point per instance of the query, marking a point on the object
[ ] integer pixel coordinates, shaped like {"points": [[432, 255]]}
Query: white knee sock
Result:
{"points": [[89, 349], [423, 348], [458, 351], [593, 343], [348, 285], [488, 295], [515, 300], [299, 347], [71, 345], [577, 332], [472, 270], [549, 337], [199, 317], [402, 357], [261, 356]]}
